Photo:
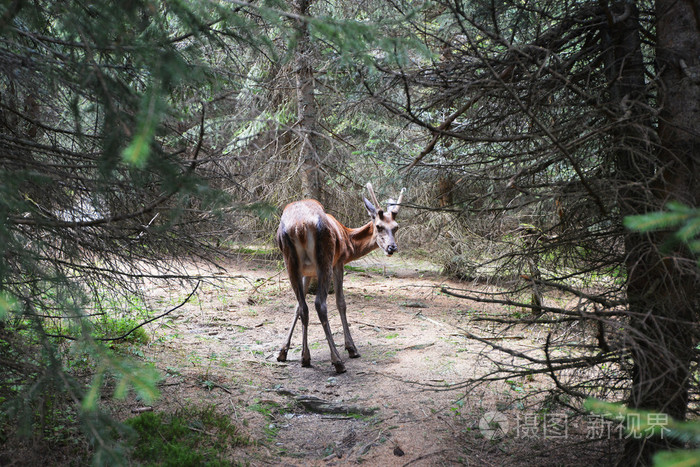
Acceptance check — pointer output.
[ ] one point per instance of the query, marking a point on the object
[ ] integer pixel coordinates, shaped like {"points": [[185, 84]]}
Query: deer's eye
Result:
{"points": [[380, 228]]}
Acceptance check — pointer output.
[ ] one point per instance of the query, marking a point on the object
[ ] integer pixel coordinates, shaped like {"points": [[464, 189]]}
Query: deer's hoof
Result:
{"points": [[282, 357], [339, 367], [306, 363], [353, 353]]}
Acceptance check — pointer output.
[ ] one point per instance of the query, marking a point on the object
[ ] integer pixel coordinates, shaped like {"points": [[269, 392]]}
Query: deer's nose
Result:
{"points": [[391, 249]]}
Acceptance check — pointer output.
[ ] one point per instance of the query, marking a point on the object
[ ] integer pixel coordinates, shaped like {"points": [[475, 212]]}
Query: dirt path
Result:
{"points": [[221, 349]]}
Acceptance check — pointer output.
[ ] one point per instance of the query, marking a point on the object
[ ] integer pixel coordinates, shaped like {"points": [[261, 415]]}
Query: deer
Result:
{"points": [[316, 244]]}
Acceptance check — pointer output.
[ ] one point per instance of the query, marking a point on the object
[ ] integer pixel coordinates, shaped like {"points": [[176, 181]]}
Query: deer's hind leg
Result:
{"points": [[282, 356], [299, 285], [322, 310], [304, 315], [324, 269]]}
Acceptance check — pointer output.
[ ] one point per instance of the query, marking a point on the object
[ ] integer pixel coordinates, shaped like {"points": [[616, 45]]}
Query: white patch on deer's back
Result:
{"points": [[307, 252], [309, 263]]}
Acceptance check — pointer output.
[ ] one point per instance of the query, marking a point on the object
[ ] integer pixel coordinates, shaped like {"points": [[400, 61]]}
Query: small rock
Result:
{"points": [[398, 451]]}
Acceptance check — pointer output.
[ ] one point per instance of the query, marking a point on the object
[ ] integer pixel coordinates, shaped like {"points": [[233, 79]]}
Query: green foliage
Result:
{"points": [[137, 152], [684, 220], [94, 184], [111, 327], [644, 423], [356, 42], [686, 458], [143, 378], [189, 437], [7, 305], [261, 209]]}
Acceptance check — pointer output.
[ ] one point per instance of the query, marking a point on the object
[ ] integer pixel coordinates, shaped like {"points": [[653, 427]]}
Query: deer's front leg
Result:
{"points": [[340, 303]]}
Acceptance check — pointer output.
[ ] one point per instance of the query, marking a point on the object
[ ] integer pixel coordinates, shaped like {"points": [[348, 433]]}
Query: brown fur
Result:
{"points": [[316, 244]]}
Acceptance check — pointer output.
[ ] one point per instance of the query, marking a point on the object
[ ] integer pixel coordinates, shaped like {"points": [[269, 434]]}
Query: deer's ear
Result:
{"points": [[371, 210]]}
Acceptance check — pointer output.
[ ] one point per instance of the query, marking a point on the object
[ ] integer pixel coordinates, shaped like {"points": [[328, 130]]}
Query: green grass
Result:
{"points": [[111, 327], [270, 410], [366, 270], [266, 408], [192, 436]]}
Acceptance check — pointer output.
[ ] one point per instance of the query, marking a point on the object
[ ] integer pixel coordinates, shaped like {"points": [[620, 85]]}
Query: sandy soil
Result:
{"points": [[403, 395]]}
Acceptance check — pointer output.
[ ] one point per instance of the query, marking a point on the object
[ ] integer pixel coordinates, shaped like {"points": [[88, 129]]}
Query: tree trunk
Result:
{"points": [[445, 189], [662, 288], [306, 107]]}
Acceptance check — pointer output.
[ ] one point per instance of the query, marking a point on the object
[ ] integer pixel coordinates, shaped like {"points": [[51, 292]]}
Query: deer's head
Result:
{"points": [[385, 224]]}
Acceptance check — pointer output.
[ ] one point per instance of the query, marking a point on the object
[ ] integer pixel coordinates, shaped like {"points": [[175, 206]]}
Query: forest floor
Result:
{"points": [[399, 404]]}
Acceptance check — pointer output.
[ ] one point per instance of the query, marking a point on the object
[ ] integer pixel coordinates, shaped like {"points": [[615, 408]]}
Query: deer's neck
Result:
{"points": [[363, 240]]}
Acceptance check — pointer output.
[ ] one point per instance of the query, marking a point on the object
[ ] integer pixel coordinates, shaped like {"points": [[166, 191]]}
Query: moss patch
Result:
{"points": [[189, 437]]}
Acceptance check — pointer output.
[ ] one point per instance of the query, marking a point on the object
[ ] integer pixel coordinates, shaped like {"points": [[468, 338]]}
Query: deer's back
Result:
{"points": [[308, 232]]}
